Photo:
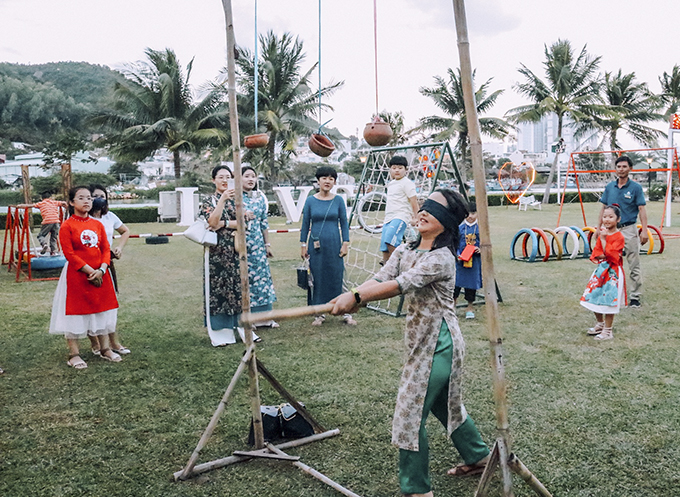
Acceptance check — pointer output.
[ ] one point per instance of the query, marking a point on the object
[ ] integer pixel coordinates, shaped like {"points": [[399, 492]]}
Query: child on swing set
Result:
{"points": [[606, 291], [424, 270]]}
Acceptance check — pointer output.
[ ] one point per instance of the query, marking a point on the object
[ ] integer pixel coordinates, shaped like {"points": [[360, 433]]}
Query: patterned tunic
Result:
{"points": [[427, 279], [605, 291], [83, 240], [259, 274], [225, 282]]}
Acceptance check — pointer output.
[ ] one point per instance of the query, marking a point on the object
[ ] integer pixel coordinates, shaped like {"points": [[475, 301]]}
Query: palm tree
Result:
{"points": [[153, 108], [396, 122], [670, 91], [287, 103], [571, 89], [448, 96], [628, 106]]}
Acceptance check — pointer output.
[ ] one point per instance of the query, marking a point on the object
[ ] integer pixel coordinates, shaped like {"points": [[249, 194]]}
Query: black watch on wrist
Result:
{"points": [[357, 295]]}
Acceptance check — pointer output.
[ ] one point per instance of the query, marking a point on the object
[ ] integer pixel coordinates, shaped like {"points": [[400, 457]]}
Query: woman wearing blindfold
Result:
{"points": [[431, 377]]}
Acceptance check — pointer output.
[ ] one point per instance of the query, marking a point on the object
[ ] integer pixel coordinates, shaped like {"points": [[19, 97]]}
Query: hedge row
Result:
{"points": [[496, 200], [127, 215]]}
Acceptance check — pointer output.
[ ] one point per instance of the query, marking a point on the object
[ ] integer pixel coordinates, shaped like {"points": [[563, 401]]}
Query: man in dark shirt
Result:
{"points": [[630, 198]]}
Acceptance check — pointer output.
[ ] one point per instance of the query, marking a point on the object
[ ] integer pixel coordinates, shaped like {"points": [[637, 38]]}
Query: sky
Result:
{"points": [[416, 41]]}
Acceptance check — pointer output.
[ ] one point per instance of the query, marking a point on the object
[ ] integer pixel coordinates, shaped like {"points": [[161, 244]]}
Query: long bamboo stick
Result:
{"points": [[229, 460], [520, 469], [184, 474], [495, 338], [248, 318], [254, 387], [319, 476], [488, 279]]}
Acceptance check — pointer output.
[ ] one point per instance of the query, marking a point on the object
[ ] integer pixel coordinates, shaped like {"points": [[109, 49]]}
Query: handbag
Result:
{"points": [[282, 421], [304, 275], [199, 233]]}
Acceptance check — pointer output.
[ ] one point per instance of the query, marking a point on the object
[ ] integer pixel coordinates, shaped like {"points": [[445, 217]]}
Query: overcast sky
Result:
{"points": [[416, 40]]}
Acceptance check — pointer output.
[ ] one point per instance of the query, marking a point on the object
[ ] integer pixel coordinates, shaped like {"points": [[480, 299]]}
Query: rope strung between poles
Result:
{"points": [[320, 126], [256, 69], [375, 50]]}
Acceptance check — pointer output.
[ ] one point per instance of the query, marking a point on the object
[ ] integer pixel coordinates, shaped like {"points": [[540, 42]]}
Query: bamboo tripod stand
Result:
{"points": [[501, 454], [249, 360]]}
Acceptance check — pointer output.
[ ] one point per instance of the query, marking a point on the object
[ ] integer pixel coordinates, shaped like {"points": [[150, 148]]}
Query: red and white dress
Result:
{"points": [[80, 308], [605, 292]]}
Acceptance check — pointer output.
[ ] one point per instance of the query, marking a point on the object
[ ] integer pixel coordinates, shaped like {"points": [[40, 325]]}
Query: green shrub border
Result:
{"points": [[127, 215]]}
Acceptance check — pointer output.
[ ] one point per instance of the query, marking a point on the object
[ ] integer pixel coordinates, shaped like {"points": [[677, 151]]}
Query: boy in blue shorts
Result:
{"points": [[401, 209]]}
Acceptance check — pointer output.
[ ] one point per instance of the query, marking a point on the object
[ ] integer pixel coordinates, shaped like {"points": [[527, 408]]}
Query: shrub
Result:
{"points": [[9, 197], [657, 192], [137, 214]]}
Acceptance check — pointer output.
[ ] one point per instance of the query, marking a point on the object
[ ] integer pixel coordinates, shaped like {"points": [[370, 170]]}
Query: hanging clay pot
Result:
{"points": [[377, 133], [321, 145], [256, 141]]}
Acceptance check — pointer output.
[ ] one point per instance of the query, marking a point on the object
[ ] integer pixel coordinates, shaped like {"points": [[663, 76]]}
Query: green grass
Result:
{"points": [[588, 418]]}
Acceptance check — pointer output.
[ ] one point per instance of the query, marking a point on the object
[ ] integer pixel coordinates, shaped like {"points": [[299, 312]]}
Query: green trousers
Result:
{"points": [[414, 467]]}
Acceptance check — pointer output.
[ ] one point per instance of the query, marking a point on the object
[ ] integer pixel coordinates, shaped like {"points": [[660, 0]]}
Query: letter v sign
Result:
{"points": [[292, 210]]}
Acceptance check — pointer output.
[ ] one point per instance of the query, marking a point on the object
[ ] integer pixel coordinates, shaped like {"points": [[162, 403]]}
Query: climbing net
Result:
{"points": [[430, 166]]}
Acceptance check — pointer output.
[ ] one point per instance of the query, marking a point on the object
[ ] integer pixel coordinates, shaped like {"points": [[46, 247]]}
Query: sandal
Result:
{"points": [[76, 364], [96, 352], [467, 470], [318, 321], [111, 357], [349, 320], [121, 350], [596, 330]]}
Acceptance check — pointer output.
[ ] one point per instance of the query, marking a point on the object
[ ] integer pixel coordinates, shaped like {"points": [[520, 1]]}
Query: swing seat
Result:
{"points": [[44, 263]]}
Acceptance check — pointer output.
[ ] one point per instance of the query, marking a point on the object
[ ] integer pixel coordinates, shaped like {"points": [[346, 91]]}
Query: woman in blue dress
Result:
{"points": [[324, 217], [262, 293]]}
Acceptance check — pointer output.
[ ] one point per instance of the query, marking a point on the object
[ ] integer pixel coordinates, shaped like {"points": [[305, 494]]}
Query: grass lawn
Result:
{"points": [[588, 418]]}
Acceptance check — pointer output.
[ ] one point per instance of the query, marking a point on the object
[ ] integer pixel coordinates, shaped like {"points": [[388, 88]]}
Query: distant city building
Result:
{"points": [[539, 137]]}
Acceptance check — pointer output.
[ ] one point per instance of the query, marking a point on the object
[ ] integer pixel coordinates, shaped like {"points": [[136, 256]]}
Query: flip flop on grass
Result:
{"points": [[467, 470]]}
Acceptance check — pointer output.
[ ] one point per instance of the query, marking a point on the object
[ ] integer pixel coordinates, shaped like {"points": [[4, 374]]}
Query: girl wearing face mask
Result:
{"points": [[111, 222]]}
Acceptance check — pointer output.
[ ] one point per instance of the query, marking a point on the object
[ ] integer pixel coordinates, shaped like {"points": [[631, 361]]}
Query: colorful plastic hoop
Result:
{"points": [[534, 245]]}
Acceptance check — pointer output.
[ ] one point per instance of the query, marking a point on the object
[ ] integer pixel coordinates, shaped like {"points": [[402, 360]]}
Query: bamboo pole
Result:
{"points": [[280, 314], [229, 460], [495, 338], [241, 231], [286, 395], [520, 469], [319, 476], [186, 472]]}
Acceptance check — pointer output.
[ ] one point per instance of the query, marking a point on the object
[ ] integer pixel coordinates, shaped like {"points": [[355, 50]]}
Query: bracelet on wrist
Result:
{"points": [[303, 245], [267, 244]]}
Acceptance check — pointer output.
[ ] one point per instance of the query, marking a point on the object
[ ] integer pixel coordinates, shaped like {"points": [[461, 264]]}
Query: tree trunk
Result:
{"points": [[175, 160], [551, 175], [553, 168], [271, 149]]}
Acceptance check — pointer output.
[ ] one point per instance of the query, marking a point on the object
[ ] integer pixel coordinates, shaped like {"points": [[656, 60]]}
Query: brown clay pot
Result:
{"points": [[321, 145], [256, 141], [377, 133]]}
